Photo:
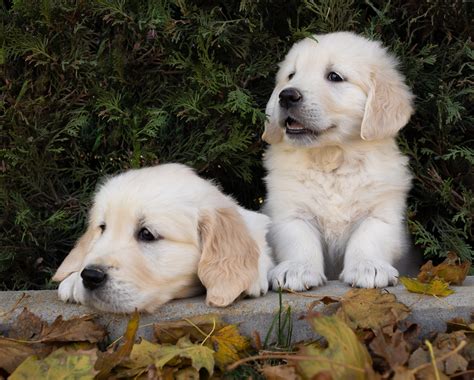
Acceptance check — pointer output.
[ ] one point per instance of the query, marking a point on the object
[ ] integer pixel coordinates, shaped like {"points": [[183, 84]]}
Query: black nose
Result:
{"points": [[290, 97], [93, 277]]}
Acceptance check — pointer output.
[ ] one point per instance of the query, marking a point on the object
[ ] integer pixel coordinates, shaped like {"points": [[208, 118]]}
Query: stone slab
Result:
{"points": [[251, 314]]}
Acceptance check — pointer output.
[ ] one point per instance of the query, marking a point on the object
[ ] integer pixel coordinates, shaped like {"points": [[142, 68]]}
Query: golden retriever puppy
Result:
{"points": [[337, 182], [159, 233]]}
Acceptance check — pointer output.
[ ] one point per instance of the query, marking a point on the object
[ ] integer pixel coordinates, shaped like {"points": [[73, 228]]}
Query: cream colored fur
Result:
{"points": [[205, 237], [337, 194]]}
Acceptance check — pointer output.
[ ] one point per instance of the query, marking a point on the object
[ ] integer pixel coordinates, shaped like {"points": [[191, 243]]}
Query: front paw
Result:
{"points": [[70, 289], [369, 274], [296, 275]]}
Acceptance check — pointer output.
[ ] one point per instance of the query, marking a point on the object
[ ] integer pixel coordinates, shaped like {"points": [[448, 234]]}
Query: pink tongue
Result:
{"points": [[295, 125]]}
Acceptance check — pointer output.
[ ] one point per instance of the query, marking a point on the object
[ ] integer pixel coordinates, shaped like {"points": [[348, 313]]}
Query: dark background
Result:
{"points": [[90, 88]]}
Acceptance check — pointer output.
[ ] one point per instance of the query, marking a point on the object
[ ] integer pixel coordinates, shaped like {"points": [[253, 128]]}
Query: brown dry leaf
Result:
{"points": [[392, 348], [13, 353], [371, 309], [27, 326], [403, 373], [443, 344], [280, 372], [227, 343], [434, 288], [197, 328], [451, 270], [79, 329], [58, 365], [108, 360], [345, 357]]}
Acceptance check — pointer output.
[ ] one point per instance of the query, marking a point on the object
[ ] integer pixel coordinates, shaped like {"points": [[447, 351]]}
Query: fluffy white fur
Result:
{"points": [[202, 238], [337, 182]]}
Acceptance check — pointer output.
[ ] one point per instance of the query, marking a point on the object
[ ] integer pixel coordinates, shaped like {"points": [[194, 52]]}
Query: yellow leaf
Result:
{"points": [[434, 287], [197, 328], [345, 357], [108, 360], [227, 344], [58, 365], [450, 270], [201, 356], [371, 309]]}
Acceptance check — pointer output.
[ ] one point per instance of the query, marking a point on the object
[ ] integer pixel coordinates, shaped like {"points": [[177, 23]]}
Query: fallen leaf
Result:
{"points": [[197, 328], [403, 373], [13, 353], [451, 270], [227, 343], [392, 348], [280, 372], [371, 309], [201, 356], [27, 326], [108, 360], [345, 357], [443, 344], [188, 373], [434, 288], [80, 329], [143, 355], [58, 365]]}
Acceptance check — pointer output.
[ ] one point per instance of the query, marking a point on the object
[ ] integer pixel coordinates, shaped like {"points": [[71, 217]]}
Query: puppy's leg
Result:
{"points": [[371, 252], [298, 250]]}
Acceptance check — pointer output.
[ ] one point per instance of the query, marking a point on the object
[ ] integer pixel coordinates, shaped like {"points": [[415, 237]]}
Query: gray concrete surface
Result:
{"points": [[251, 314]]}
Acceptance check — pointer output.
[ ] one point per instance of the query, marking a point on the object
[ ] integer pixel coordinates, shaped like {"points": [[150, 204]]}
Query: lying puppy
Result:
{"points": [[158, 233], [337, 182]]}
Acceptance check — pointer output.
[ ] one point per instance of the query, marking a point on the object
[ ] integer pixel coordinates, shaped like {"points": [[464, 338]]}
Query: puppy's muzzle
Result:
{"points": [[93, 277], [290, 97]]}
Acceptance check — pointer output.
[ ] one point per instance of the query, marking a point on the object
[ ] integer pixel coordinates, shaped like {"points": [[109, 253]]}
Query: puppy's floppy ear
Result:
{"points": [[229, 258], [273, 133], [388, 107], [73, 261]]}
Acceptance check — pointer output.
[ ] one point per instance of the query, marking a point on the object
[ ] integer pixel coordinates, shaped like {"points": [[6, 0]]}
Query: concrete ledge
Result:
{"points": [[251, 314]]}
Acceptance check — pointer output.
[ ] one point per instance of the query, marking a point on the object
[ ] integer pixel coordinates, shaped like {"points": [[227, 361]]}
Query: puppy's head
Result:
{"points": [[156, 234], [334, 88]]}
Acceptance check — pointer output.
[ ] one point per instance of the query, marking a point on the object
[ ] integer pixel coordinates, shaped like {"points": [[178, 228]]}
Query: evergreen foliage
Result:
{"points": [[92, 87]]}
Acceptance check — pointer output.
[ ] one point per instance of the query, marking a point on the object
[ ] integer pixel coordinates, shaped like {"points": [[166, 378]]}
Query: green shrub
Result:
{"points": [[90, 88]]}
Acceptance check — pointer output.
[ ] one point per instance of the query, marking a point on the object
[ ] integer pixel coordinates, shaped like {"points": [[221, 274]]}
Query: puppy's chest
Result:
{"points": [[336, 198]]}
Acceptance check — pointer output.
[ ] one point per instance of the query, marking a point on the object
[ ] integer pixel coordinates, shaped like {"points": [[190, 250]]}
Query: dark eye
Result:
{"points": [[145, 235], [291, 75], [334, 77], [102, 227]]}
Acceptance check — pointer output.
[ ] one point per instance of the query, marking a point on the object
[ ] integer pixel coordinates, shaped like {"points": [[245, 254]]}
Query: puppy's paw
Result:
{"points": [[260, 285], [71, 289], [296, 275], [369, 274]]}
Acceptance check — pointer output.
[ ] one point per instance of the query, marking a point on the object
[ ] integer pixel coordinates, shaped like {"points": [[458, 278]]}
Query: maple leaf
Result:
{"points": [[58, 365], [201, 356], [108, 360], [28, 326], [345, 357], [280, 372], [393, 348], [371, 309], [197, 328], [451, 270], [434, 287], [13, 353], [79, 329], [227, 343]]}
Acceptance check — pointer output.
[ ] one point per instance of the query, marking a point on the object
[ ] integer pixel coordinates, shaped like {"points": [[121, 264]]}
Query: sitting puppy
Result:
{"points": [[337, 182], [158, 233]]}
